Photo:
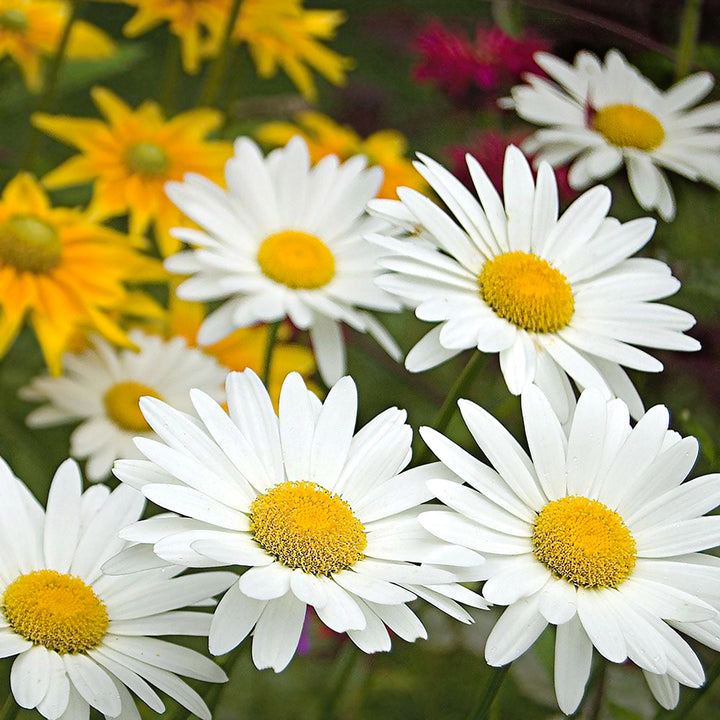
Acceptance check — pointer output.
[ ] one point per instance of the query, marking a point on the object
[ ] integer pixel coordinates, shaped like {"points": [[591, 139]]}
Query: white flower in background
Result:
{"points": [[594, 532], [102, 385], [601, 115], [80, 636], [554, 296], [285, 240], [323, 516]]}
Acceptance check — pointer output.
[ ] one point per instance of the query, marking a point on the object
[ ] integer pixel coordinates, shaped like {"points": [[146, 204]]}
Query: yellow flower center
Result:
{"points": [[584, 542], [305, 526], [58, 611], [14, 20], [121, 405], [296, 259], [629, 126], [29, 244], [527, 291], [147, 159]]}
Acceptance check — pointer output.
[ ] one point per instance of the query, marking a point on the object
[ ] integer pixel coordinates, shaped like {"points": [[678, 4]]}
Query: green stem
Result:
{"points": [[487, 697], [444, 415], [689, 28], [344, 665], [10, 708], [594, 705], [216, 72], [269, 347], [47, 98], [171, 73], [692, 698]]}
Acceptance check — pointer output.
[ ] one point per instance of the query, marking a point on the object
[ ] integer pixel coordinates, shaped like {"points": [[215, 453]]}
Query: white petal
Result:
{"points": [[600, 623], [266, 583], [277, 633], [341, 612], [515, 631], [573, 656], [62, 517], [93, 684], [233, 619], [30, 676]]}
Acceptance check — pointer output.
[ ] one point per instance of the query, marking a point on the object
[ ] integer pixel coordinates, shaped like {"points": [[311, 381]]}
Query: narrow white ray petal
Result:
{"points": [[30, 676], [277, 633], [62, 517], [93, 683], [516, 630], [233, 619], [573, 656]]}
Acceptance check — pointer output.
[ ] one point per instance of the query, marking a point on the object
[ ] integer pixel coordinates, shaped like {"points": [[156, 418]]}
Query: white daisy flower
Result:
{"points": [[321, 515], [101, 387], [601, 115], [555, 297], [285, 240], [82, 637], [594, 532]]}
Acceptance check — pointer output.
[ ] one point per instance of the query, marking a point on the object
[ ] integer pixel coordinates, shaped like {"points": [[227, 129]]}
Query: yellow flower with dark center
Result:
{"points": [[281, 33], [30, 30], [245, 347], [197, 23], [324, 136], [63, 270], [131, 157]]}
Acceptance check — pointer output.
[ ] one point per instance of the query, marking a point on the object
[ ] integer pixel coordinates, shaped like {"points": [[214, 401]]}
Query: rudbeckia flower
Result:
{"points": [[30, 31], [132, 155], [62, 270]]}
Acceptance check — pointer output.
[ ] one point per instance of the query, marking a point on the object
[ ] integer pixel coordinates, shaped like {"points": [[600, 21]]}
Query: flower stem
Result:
{"points": [[692, 698], [269, 347], [594, 705], [47, 98], [10, 708], [487, 697], [216, 72], [171, 72], [445, 413], [344, 665], [689, 28]]}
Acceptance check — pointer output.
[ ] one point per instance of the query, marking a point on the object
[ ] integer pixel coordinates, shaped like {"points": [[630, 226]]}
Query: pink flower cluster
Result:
{"points": [[468, 70]]}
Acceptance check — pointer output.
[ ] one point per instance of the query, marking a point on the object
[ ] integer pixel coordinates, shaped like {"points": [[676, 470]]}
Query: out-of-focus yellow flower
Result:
{"points": [[132, 156], [198, 24], [324, 136], [279, 33], [31, 30], [282, 33], [63, 270], [244, 348]]}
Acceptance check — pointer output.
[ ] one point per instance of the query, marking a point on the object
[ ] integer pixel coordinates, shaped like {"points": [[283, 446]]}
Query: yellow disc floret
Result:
{"points": [[584, 542], [121, 405], [147, 159], [527, 291], [305, 526], [296, 259], [29, 244], [58, 611], [629, 126]]}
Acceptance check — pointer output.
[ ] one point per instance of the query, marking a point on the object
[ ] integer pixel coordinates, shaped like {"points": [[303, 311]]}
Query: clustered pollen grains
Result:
{"points": [[527, 291], [305, 526], [584, 542], [55, 610]]}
